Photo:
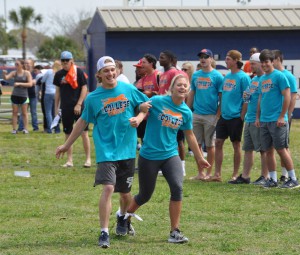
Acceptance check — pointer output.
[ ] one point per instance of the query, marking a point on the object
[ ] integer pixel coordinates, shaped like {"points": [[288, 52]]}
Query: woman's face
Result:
{"points": [[18, 65], [181, 88]]}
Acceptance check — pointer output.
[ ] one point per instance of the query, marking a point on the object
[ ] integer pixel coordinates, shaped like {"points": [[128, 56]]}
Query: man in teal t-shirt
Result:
{"points": [[111, 109], [272, 118], [233, 110]]}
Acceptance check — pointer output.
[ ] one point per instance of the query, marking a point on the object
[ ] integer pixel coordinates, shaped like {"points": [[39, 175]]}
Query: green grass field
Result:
{"points": [[55, 211]]}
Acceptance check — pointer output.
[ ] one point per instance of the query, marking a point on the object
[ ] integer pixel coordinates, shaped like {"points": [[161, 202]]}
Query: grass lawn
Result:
{"points": [[55, 211]]}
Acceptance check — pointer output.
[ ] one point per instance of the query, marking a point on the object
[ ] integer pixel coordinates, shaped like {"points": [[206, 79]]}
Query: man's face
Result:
{"points": [[255, 66], [205, 60], [267, 66], [164, 60], [107, 76], [66, 64], [230, 62]]}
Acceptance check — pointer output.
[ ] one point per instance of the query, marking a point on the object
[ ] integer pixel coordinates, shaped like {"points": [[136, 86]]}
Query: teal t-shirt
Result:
{"points": [[164, 120], [206, 87], [270, 86], [232, 94], [252, 105], [291, 79], [110, 110]]}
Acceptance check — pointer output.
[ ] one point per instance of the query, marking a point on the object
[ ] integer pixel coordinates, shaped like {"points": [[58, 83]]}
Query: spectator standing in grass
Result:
{"points": [[32, 96], [233, 111], [111, 108], [71, 90], [19, 97], [204, 99], [293, 87], [49, 96], [275, 94], [252, 140]]}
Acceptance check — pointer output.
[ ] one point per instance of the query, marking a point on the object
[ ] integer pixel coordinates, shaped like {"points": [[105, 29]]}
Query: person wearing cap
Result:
{"points": [[120, 76], [275, 94], [233, 110], [204, 98], [139, 71], [251, 132], [293, 87], [148, 84], [111, 109], [71, 90]]}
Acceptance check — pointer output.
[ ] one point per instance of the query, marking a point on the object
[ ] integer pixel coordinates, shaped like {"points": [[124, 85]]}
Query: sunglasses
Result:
{"points": [[184, 69], [65, 60], [17, 64], [204, 56]]}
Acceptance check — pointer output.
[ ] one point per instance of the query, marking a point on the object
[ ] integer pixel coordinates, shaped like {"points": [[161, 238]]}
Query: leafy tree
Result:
{"points": [[52, 48], [22, 19], [6, 39]]}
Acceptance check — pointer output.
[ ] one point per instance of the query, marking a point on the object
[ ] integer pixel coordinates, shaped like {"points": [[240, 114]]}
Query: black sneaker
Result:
{"points": [[122, 225], [130, 229], [290, 184], [270, 184], [104, 240], [240, 180], [260, 181], [283, 179]]}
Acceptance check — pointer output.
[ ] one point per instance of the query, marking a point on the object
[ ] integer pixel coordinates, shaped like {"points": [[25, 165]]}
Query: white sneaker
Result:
{"points": [[25, 131], [177, 237]]}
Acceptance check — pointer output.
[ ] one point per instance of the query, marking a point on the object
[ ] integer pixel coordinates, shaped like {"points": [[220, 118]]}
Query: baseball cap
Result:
{"points": [[255, 57], [66, 55], [104, 62], [139, 64], [206, 52], [235, 55]]}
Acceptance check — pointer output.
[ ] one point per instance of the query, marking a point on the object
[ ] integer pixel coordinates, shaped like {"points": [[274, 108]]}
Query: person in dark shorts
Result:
{"points": [[111, 109], [233, 110], [19, 97], [71, 90], [167, 115]]}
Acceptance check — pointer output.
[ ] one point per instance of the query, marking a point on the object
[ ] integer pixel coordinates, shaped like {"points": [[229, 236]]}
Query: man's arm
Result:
{"points": [[292, 105], [257, 121], [286, 93], [190, 99]]}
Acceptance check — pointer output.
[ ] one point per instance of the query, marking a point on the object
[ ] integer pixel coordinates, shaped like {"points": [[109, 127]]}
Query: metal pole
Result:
{"points": [[207, 2]]}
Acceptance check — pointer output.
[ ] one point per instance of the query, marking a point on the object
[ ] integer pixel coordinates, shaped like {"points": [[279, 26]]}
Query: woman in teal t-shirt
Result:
{"points": [[159, 151]]}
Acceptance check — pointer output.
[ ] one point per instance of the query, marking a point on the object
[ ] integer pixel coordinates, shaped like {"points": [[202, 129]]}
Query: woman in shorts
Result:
{"points": [[19, 97], [168, 114]]}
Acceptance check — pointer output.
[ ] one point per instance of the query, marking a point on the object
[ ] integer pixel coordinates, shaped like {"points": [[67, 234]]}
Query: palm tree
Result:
{"points": [[22, 19]]}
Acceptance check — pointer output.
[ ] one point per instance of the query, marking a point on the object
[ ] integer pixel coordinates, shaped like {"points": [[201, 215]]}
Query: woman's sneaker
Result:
{"points": [[104, 240], [25, 131], [177, 237], [14, 132]]}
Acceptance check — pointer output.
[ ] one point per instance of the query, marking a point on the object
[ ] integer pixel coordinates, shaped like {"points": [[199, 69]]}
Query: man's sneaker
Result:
{"points": [[104, 240], [290, 184], [130, 229], [121, 229], [177, 237], [14, 132], [25, 131], [270, 184], [240, 180], [260, 181], [283, 179]]}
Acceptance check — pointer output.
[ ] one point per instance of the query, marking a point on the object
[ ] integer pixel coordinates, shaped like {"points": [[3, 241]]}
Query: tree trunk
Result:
{"points": [[24, 36]]}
